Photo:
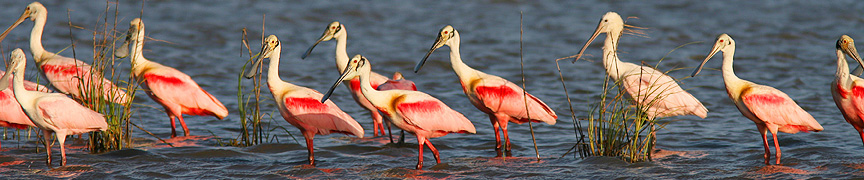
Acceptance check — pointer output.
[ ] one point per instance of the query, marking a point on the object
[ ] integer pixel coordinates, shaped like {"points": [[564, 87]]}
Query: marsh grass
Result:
{"points": [[256, 127], [118, 134], [617, 126]]}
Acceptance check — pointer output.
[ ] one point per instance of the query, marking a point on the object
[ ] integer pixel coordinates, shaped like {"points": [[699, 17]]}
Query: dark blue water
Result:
{"points": [[785, 44]]}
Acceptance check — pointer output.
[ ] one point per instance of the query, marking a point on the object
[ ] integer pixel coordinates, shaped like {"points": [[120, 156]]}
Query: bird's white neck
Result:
{"points": [[462, 70], [138, 60], [341, 50], [366, 85], [729, 78], [36, 37], [273, 80], [842, 69], [610, 55]]}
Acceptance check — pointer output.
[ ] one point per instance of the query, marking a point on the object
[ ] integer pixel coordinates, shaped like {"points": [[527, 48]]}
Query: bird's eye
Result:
{"points": [[721, 40], [445, 32], [605, 20], [334, 27], [355, 61]]}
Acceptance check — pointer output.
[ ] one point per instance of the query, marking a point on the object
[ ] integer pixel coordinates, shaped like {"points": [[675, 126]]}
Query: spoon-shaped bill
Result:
{"points": [[717, 47], [259, 59], [593, 36], [24, 15]]}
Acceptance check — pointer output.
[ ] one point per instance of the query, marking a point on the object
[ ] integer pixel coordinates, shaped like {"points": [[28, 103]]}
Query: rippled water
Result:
{"points": [[785, 44]]}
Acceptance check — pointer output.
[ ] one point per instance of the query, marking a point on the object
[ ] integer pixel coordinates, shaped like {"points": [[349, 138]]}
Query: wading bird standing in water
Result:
{"points": [[398, 82], [174, 90], [337, 30], [301, 106], [771, 109], [51, 112], [847, 89], [13, 116], [413, 111], [502, 100], [657, 93], [65, 74]]}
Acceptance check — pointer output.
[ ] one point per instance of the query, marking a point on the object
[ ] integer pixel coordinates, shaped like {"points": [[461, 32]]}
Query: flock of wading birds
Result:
{"points": [[29, 104]]}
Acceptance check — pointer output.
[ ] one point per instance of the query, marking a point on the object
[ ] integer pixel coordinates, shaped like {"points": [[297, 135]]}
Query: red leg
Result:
{"points": [[173, 126], [776, 146], [376, 122], [309, 145], [434, 151], [506, 136], [47, 136], [183, 123], [62, 139], [495, 127], [420, 140], [765, 143]]}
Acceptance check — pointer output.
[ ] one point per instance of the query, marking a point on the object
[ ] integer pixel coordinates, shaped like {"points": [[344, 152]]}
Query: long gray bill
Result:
{"points": [[335, 84], [713, 51], [256, 65], [17, 22], [596, 33], [123, 51]]}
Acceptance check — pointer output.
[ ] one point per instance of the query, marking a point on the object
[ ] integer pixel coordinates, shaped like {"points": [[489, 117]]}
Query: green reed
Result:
{"points": [[253, 129], [118, 134], [617, 126]]}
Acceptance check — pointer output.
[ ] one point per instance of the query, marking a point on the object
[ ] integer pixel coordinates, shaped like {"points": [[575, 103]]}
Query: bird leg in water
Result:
{"points": [[762, 130], [776, 147], [61, 137], [420, 141], [389, 132], [46, 135], [434, 151], [173, 126], [183, 123], [497, 136], [309, 145]]}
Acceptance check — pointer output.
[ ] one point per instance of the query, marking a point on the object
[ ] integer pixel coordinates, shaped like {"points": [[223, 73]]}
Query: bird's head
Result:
{"points": [[446, 36], [358, 64], [723, 43], [269, 49], [334, 30], [846, 45]]}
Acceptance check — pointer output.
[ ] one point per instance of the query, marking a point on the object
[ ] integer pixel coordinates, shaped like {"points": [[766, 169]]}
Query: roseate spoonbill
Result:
{"points": [[847, 89], [502, 100], [300, 106], [338, 31], [657, 93], [398, 82], [51, 112], [65, 74], [413, 111], [174, 90], [769, 108], [12, 115]]}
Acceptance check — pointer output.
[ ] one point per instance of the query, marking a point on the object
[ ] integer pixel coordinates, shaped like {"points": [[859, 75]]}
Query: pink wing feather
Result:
{"points": [[64, 113], [662, 95], [428, 113], [503, 96], [171, 85], [325, 117], [775, 107], [64, 74]]}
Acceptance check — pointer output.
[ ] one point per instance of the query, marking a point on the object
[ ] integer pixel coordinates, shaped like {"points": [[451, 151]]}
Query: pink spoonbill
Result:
{"points": [[174, 90], [413, 111], [771, 109], [657, 94], [301, 106], [65, 74], [502, 100], [847, 89], [397, 82], [51, 112], [336, 30], [13, 116]]}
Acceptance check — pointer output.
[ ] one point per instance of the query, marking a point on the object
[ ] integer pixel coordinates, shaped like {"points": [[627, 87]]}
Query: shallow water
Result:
{"points": [[785, 44]]}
